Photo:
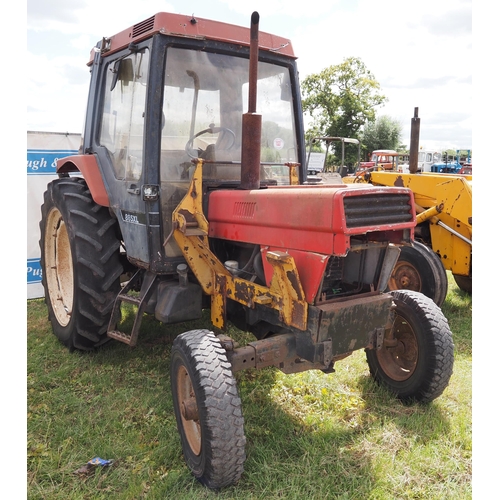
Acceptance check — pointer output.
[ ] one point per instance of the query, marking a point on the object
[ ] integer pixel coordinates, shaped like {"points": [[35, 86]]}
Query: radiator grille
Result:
{"points": [[377, 209]]}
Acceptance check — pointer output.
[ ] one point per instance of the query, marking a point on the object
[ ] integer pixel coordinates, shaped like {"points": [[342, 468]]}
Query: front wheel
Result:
{"points": [[207, 409], [415, 361]]}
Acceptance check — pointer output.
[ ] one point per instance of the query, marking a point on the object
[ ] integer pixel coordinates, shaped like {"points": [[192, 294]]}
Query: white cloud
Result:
{"points": [[284, 8], [91, 17], [419, 52]]}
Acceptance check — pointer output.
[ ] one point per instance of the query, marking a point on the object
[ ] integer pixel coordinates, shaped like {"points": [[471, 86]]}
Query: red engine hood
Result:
{"points": [[366, 164], [318, 219]]}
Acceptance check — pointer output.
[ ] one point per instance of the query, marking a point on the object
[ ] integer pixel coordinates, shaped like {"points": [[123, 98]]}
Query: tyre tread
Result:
{"points": [[96, 263], [222, 406], [439, 360]]}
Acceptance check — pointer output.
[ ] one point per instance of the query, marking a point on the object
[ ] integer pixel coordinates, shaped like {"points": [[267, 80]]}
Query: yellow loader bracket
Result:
{"points": [[424, 214], [190, 231]]}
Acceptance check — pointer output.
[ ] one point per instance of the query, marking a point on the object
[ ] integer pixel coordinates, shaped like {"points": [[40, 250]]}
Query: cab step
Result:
{"points": [[146, 279]]}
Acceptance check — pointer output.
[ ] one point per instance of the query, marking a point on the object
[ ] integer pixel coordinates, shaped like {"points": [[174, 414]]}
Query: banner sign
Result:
{"points": [[34, 271], [43, 162], [43, 151]]}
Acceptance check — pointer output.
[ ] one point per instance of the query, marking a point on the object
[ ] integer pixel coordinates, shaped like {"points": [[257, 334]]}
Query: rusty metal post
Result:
{"points": [[251, 121], [414, 141], [253, 63]]}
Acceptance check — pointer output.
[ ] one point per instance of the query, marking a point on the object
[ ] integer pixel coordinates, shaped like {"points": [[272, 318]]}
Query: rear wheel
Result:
{"points": [[420, 269], [464, 283], [207, 409], [80, 263], [416, 359]]}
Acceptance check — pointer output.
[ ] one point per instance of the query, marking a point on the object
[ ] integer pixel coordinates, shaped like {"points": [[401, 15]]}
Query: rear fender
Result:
{"points": [[87, 165]]}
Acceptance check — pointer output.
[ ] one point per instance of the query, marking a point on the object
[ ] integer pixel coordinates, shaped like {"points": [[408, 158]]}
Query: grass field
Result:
{"points": [[309, 436]]}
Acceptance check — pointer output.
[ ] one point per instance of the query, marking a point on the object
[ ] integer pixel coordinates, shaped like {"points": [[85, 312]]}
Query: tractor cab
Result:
{"points": [[381, 159], [161, 102]]}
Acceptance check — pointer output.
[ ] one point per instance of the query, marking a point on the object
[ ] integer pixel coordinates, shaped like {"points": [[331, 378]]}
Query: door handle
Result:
{"points": [[133, 189]]}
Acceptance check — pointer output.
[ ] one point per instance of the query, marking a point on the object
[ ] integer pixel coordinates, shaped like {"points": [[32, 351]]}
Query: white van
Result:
{"points": [[426, 158]]}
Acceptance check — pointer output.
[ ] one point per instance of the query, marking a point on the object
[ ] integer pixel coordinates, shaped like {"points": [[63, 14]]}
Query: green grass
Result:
{"points": [[309, 435]]}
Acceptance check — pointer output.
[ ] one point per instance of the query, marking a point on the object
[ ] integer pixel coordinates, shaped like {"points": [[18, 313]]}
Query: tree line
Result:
{"points": [[342, 100]]}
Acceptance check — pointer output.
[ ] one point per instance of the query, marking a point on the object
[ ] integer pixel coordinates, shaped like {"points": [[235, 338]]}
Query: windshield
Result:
{"points": [[205, 96]]}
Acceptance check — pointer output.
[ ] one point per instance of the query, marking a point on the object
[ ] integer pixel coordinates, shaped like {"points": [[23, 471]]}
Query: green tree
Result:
{"points": [[342, 98], [383, 133]]}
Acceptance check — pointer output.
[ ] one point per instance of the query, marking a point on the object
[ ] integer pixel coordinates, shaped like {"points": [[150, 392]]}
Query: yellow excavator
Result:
{"points": [[443, 236]]}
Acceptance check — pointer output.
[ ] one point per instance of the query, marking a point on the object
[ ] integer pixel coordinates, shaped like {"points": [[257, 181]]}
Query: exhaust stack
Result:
{"points": [[414, 140], [251, 121]]}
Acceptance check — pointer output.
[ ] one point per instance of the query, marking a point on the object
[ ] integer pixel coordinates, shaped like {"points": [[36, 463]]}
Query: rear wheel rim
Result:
{"points": [[186, 398], [400, 362], [59, 267]]}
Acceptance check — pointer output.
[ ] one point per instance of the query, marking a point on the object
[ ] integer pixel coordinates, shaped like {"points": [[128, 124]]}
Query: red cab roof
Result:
{"points": [[194, 27]]}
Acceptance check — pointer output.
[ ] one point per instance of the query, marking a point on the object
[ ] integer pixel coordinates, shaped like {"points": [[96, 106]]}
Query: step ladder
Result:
{"points": [[148, 278]]}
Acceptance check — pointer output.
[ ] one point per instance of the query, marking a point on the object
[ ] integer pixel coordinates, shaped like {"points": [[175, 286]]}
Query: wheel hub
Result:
{"points": [[58, 267], [189, 410], [398, 356], [405, 277]]}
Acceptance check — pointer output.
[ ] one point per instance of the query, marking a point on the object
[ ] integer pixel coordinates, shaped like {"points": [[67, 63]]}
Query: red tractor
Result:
{"points": [[381, 159], [179, 200]]}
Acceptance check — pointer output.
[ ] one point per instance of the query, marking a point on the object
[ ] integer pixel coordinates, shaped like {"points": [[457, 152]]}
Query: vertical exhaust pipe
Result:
{"points": [[251, 121], [414, 140]]}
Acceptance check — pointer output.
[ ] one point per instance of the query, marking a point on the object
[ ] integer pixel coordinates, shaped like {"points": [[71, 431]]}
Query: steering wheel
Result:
{"points": [[212, 129]]}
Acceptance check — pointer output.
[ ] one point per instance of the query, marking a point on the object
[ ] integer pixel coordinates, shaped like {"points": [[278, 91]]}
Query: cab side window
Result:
{"points": [[122, 128]]}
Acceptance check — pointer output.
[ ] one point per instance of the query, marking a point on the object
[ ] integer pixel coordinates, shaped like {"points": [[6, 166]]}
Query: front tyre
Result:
{"points": [[80, 262], [416, 360], [207, 409]]}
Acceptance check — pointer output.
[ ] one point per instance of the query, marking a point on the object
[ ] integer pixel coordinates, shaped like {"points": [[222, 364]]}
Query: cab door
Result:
{"points": [[120, 145]]}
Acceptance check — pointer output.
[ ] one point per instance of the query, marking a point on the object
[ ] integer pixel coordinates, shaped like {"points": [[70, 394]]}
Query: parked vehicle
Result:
{"points": [[443, 232], [173, 207], [451, 164], [316, 160], [427, 158], [466, 169], [381, 159]]}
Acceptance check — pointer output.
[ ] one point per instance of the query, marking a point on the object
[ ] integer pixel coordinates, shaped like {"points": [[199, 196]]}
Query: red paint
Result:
{"points": [[87, 165], [304, 218], [181, 25]]}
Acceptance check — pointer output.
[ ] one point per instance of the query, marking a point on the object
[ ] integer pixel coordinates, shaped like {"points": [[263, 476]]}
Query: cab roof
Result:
{"points": [[193, 27], [386, 152]]}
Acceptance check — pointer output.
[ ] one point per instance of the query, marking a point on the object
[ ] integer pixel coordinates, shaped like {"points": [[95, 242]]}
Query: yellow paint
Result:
{"points": [[444, 198], [190, 233]]}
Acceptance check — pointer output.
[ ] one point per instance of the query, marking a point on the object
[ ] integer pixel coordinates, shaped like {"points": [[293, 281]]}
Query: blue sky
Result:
{"points": [[420, 53]]}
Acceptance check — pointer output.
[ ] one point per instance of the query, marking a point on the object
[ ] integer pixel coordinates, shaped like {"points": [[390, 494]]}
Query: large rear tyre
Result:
{"points": [[416, 360], [420, 269], [80, 262], [464, 283], [207, 409]]}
